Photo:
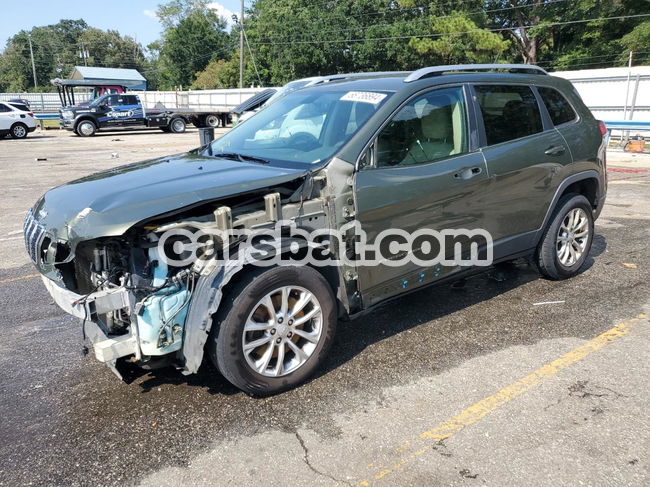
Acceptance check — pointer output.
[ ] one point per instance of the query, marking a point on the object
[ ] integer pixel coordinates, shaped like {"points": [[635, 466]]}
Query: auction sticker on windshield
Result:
{"points": [[364, 96]]}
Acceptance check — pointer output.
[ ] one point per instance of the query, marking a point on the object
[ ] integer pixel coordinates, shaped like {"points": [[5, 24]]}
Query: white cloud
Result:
{"points": [[222, 11], [151, 14]]}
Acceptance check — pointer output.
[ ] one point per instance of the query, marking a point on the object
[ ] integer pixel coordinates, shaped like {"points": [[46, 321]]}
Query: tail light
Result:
{"points": [[602, 127], [30, 114]]}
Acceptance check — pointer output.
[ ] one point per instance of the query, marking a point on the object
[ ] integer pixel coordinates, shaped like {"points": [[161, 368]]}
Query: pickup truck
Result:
{"points": [[127, 110]]}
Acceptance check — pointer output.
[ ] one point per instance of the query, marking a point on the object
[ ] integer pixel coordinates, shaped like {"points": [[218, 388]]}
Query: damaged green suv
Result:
{"points": [[331, 200]]}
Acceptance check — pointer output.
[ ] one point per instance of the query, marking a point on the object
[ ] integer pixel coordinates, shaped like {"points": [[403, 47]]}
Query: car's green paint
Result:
{"points": [[108, 203], [511, 197]]}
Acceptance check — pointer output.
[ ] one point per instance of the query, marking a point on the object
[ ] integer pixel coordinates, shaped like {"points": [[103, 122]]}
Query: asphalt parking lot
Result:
{"points": [[472, 385]]}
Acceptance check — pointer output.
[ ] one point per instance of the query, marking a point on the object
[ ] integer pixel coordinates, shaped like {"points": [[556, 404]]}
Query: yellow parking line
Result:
{"points": [[19, 278], [485, 406]]}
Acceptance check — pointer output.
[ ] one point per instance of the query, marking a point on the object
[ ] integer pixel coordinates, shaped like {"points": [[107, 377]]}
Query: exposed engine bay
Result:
{"points": [[134, 306]]}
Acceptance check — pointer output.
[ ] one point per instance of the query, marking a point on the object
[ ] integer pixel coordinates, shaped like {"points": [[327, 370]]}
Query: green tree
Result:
{"points": [[58, 48], [194, 35], [459, 40], [218, 74]]}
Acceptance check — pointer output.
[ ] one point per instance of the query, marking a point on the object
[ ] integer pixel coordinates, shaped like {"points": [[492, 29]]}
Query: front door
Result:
{"points": [[122, 110], [424, 175]]}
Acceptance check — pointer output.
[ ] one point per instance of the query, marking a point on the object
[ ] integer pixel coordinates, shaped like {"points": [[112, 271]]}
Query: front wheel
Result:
{"points": [[273, 329], [567, 240], [86, 128]]}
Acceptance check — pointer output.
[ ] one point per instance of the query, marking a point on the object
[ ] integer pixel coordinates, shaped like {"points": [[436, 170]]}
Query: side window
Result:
{"points": [[4, 108], [558, 107], [429, 128], [509, 112], [112, 100]]}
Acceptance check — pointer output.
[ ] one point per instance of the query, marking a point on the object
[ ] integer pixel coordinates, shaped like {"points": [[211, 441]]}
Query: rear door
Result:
{"points": [[425, 175], [524, 154]]}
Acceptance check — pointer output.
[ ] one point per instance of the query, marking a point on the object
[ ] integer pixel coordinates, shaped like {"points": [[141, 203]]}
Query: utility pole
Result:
{"points": [[241, 45], [627, 88], [31, 53]]}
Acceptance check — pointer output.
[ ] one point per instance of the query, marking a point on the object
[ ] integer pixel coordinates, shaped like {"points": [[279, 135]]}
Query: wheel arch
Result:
{"points": [[587, 183], [85, 118], [18, 123], [210, 289]]}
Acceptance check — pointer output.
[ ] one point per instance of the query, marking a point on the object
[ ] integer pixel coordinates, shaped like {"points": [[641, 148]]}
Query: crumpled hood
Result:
{"points": [[110, 202]]}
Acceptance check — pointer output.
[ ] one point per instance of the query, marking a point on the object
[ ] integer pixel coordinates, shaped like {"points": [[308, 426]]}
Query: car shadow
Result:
{"points": [[385, 321]]}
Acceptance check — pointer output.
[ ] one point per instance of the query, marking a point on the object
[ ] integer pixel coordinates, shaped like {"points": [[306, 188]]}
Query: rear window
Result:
{"points": [[509, 112], [558, 107]]}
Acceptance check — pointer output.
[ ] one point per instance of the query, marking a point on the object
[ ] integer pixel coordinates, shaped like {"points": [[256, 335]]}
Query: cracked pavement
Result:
{"points": [[392, 374]]}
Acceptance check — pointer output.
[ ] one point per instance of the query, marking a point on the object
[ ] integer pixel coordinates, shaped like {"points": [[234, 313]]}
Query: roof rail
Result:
{"points": [[440, 70]]}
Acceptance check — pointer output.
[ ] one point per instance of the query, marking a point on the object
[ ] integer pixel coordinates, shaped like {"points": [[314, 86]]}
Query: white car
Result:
{"points": [[15, 121]]}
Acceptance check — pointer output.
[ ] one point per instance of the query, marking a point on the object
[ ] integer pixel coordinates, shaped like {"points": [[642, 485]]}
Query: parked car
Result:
{"points": [[21, 101], [15, 121], [506, 149]]}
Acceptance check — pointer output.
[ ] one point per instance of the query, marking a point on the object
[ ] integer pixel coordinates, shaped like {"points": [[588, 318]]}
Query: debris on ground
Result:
{"points": [[40, 159], [115, 155], [542, 303], [629, 265]]}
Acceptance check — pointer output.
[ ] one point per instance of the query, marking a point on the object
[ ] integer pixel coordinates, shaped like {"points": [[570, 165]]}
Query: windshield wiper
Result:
{"points": [[241, 157]]}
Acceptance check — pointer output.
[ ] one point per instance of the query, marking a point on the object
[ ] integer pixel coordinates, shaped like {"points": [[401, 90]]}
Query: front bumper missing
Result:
{"points": [[107, 348]]}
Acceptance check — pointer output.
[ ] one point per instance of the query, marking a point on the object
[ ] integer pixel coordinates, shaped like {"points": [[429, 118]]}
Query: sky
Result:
{"points": [[130, 17]]}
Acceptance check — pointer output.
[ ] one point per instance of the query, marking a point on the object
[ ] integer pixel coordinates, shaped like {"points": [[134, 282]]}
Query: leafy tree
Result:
{"points": [[218, 74], [459, 40], [637, 40], [58, 48], [194, 35]]}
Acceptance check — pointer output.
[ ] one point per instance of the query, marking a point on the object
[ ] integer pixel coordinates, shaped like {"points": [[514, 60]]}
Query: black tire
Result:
{"points": [[177, 125], [211, 120], [225, 345], [546, 256], [18, 131], [86, 128]]}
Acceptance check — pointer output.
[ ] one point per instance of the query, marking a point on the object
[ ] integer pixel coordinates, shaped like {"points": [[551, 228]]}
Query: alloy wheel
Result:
{"points": [[19, 131], [572, 237], [282, 331]]}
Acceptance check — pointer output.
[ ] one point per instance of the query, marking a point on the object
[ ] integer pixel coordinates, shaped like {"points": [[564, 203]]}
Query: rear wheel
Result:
{"points": [[567, 240], [18, 131], [211, 120], [177, 125], [86, 128], [273, 329]]}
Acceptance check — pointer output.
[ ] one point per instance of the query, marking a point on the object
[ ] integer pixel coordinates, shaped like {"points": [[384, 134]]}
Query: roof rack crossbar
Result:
{"points": [[440, 70]]}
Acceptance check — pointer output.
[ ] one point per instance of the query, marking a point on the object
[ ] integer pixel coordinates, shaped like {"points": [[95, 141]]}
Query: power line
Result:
{"points": [[500, 29], [427, 19]]}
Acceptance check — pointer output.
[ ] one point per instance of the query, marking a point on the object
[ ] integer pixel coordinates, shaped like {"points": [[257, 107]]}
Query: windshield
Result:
{"points": [[305, 126], [286, 89]]}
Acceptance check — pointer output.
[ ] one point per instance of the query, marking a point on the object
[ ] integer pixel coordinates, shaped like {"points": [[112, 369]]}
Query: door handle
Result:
{"points": [[557, 150], [468, 173]]}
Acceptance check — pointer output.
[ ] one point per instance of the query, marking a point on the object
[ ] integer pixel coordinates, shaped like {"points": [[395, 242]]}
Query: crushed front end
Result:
{"points": [[130, 303]]}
